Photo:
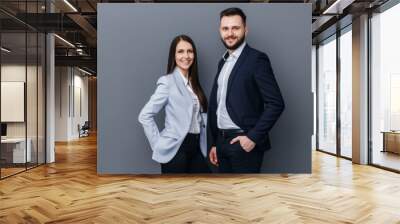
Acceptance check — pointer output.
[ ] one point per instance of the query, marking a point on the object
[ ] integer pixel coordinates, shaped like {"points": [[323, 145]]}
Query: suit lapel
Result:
{"points": [[220, 65], [213, 96], [235, 69], [181, 86]]}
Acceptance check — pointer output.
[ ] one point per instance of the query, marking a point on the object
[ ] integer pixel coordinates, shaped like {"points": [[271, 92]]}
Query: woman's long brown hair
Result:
{"points": [[193, 72]]}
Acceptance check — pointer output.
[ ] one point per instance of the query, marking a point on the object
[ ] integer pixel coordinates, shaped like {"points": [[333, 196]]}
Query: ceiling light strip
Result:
{"points": [[86, 72], [331, 7], [70, 5], [65, 41], [5, 50]]}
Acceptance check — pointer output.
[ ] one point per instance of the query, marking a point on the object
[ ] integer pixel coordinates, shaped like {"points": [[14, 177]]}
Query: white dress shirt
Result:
{"points": [[196, 117], [224, 121]]}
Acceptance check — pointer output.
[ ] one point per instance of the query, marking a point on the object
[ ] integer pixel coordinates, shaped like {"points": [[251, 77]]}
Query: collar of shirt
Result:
{"points": [[235, 54]]}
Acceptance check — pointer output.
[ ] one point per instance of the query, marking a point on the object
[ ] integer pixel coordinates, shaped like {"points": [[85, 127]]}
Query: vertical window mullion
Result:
{"points": [[37, 89], [0, 94], [338, 73], [317, 96], [26, 86]]}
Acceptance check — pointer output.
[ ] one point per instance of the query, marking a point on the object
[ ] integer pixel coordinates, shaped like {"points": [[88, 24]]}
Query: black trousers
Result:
{"points": [[233, 159], [188, 159]]}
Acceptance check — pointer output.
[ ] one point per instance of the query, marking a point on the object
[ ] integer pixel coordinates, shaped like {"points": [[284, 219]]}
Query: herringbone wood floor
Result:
{"points": [[70, 191]]}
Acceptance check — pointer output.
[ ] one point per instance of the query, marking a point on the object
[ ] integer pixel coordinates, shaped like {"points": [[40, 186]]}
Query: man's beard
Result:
{"points": [[235, 46]]}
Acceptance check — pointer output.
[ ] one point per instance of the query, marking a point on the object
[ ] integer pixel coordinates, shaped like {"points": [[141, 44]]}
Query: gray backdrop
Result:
{"points": [[133, 44]]}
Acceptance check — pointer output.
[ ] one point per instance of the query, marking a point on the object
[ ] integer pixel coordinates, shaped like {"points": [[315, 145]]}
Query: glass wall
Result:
{"points": [[327, 95], [22, 88], [385, 88], [13, 89], [345, 58], [334, 88]]}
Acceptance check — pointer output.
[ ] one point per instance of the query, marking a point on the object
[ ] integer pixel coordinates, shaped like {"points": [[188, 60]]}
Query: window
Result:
{"points": [[385, 88], [327, 95], [346, 75]]}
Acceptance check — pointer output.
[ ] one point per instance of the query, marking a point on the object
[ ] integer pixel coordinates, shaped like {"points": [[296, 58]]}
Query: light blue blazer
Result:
{"points": [[172, 94]]}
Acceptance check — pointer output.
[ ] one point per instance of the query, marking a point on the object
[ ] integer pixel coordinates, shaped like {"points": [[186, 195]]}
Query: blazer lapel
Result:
{"points": [[181, 86], [220, 65], [235, 69]]}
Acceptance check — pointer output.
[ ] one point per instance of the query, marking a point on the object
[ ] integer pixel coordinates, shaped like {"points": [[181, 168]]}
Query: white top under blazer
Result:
{"points": [[196, 118]]}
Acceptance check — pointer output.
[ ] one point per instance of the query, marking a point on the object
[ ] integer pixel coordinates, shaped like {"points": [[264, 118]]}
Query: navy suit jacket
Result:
{"points": [[254, 101]]}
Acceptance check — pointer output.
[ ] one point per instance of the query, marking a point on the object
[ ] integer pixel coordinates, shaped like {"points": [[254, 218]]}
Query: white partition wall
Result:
{"points": [[71, 102]]}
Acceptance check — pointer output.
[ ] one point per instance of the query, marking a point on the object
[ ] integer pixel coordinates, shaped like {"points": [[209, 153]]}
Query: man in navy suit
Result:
{"points": [[245, 100]]}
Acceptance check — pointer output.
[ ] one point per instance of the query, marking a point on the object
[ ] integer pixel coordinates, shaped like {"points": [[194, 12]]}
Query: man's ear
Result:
{"points": [[246, 31]]}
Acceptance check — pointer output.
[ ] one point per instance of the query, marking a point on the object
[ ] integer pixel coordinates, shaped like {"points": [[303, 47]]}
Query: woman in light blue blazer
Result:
{"points": [[181, 146]]}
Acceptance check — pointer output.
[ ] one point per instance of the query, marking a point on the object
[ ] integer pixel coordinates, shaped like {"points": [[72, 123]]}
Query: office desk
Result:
{"points": [[391, 141], [13, 150]]}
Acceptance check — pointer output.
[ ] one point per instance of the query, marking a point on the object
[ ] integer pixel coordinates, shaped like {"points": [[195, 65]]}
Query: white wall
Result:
{"points": [[71, 93], [79, 112], [62, 81], [17, 73], [33, 126], [12, 73]]}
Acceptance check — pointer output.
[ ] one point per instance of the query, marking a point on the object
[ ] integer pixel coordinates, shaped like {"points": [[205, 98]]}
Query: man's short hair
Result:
{"points": [[233, 12]]}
